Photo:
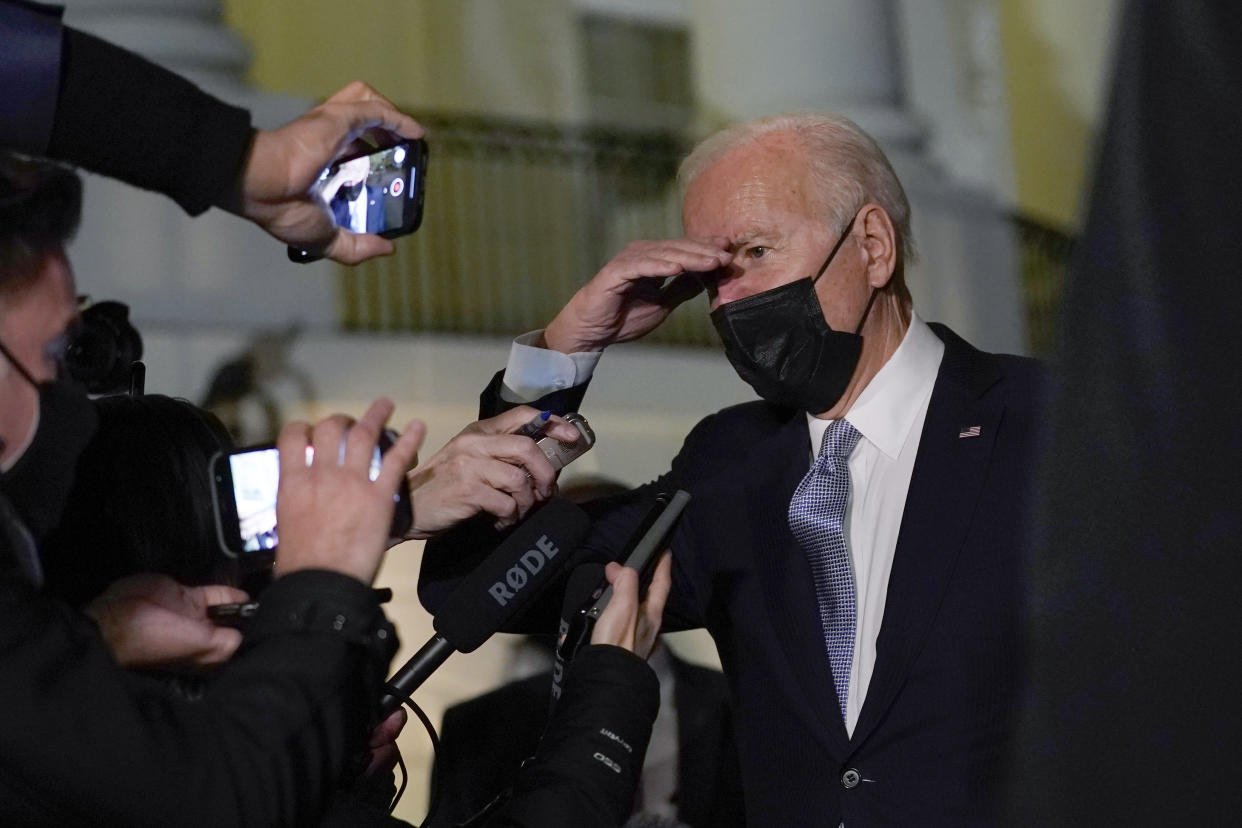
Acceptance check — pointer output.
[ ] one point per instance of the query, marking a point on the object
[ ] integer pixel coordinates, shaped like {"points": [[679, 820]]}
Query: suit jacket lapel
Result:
{"points": [[779, 463], [948, 476]]}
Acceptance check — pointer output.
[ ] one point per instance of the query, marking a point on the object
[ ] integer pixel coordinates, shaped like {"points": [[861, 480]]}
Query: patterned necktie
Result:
{"points": [[816, 518]]}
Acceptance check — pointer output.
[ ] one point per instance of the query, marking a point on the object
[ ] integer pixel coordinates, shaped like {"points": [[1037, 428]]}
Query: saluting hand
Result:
{"points": [[634, 293]]}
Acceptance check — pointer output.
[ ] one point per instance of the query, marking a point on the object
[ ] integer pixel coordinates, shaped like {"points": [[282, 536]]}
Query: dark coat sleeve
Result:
{"points": [[586, 769], [29, 73], [84, 744], [76, 98], [124, 117], [561, 401]]}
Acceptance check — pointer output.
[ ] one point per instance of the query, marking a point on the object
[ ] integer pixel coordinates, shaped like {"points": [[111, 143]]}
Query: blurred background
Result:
{"points": [[555, 128]]}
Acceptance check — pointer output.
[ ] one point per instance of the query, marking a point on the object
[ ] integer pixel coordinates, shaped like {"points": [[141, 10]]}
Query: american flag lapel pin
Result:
{"points": [[970, 431]]}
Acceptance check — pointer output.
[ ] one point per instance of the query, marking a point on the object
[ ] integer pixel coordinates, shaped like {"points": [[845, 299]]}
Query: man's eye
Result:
{"points": [[757, 252]]}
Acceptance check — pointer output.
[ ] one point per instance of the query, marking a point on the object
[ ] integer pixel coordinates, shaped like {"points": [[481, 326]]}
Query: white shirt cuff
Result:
{"points": [[535, 372]]}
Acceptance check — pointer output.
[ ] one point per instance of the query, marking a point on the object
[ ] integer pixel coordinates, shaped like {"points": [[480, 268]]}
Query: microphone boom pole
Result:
{"points": [[409, 678]]}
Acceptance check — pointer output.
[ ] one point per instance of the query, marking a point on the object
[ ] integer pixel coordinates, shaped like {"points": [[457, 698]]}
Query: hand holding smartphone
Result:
{"points": [[379, 191], [244, 485]]}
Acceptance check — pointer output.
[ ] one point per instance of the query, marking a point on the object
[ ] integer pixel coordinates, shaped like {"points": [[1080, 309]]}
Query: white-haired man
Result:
{"points": [[866, 611]]}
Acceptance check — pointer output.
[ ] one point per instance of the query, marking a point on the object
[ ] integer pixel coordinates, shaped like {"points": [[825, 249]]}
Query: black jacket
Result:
{"points": [[484, 741], [83, 742], [71, 96], [586, 768]]}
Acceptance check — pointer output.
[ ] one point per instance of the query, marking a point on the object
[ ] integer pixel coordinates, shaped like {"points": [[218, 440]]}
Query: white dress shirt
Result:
{"points": [[534, 372], [889, 415]]}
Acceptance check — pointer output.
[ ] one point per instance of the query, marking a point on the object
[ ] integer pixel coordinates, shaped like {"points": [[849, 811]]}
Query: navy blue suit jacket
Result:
{"points": [[939, 712]]}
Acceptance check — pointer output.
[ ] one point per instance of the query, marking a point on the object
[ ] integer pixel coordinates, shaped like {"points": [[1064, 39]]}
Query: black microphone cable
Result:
{"points": [[433, 796]]}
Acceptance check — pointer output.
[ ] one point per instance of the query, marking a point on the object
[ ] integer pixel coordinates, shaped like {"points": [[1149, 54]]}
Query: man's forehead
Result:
{"points": [[758, 209], [755, 176], [777, 155]]}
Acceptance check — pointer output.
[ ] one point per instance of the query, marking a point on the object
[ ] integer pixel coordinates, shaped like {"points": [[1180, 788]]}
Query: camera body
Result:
{"points": [[105, 350]]}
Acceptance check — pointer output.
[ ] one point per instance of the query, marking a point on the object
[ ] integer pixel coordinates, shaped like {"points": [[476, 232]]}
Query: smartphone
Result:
{"points": [[244, 487], [379, 192], [561, 454]]}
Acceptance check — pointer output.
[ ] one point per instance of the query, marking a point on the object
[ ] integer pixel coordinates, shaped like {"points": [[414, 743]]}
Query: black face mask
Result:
{"points": [[779, 343], [39, 482]]}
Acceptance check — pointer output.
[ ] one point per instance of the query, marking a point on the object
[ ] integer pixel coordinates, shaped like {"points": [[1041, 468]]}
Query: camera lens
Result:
{"points": [[104, 349]]}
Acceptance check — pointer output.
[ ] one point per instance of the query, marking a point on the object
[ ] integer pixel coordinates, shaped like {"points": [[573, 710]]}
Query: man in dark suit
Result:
{"points": [[867, 611]]}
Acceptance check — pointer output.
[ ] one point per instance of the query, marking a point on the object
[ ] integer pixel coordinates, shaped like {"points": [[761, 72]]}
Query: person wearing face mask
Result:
{"points": [[854, 539], [82, 742]]}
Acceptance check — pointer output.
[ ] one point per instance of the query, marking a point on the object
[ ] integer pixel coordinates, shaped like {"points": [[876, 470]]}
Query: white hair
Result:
{"points": [[848, 166]]}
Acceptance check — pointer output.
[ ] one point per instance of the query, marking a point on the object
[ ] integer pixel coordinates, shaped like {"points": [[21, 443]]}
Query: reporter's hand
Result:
{"points": [[633, 293], [330, 515], [485, 468], [283, 163], [383, 743], [626, 623], [151, 621]]}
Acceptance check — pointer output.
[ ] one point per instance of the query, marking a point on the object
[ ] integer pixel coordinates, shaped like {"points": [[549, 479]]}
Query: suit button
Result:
{"points": [[850, 779]]}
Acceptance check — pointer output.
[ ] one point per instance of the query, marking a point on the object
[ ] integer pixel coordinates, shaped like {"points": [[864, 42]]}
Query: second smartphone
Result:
{"points": [[244, 485], [380, 192]]}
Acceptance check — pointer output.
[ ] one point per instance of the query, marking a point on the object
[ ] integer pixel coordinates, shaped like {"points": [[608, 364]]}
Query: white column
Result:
{"points": [[848, 56], [754, 59]]}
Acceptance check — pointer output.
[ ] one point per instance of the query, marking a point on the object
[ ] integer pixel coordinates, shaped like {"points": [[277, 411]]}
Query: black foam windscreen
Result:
{"points": [[512, 576]]}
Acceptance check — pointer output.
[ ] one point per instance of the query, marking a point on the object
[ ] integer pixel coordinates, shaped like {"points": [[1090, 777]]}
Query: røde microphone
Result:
{"points": [[494, 593]]}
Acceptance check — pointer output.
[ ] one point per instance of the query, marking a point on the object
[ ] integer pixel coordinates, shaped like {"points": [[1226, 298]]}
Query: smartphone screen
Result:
{"points": [[381, 192], [245, 490]]}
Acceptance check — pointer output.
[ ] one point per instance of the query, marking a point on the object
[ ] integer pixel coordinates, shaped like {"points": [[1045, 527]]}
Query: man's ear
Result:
{"points": [[879, 244]]}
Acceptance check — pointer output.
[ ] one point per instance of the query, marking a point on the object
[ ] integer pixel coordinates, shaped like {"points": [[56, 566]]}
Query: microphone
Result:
{"points": [[489, 597]]}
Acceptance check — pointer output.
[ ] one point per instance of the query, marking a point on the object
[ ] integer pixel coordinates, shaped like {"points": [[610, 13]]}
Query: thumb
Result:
{"points": [[352, 248], [223, 642]]}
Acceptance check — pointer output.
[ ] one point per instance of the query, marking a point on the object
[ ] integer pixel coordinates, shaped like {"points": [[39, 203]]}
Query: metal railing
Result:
{"points": [[518, 216]]}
